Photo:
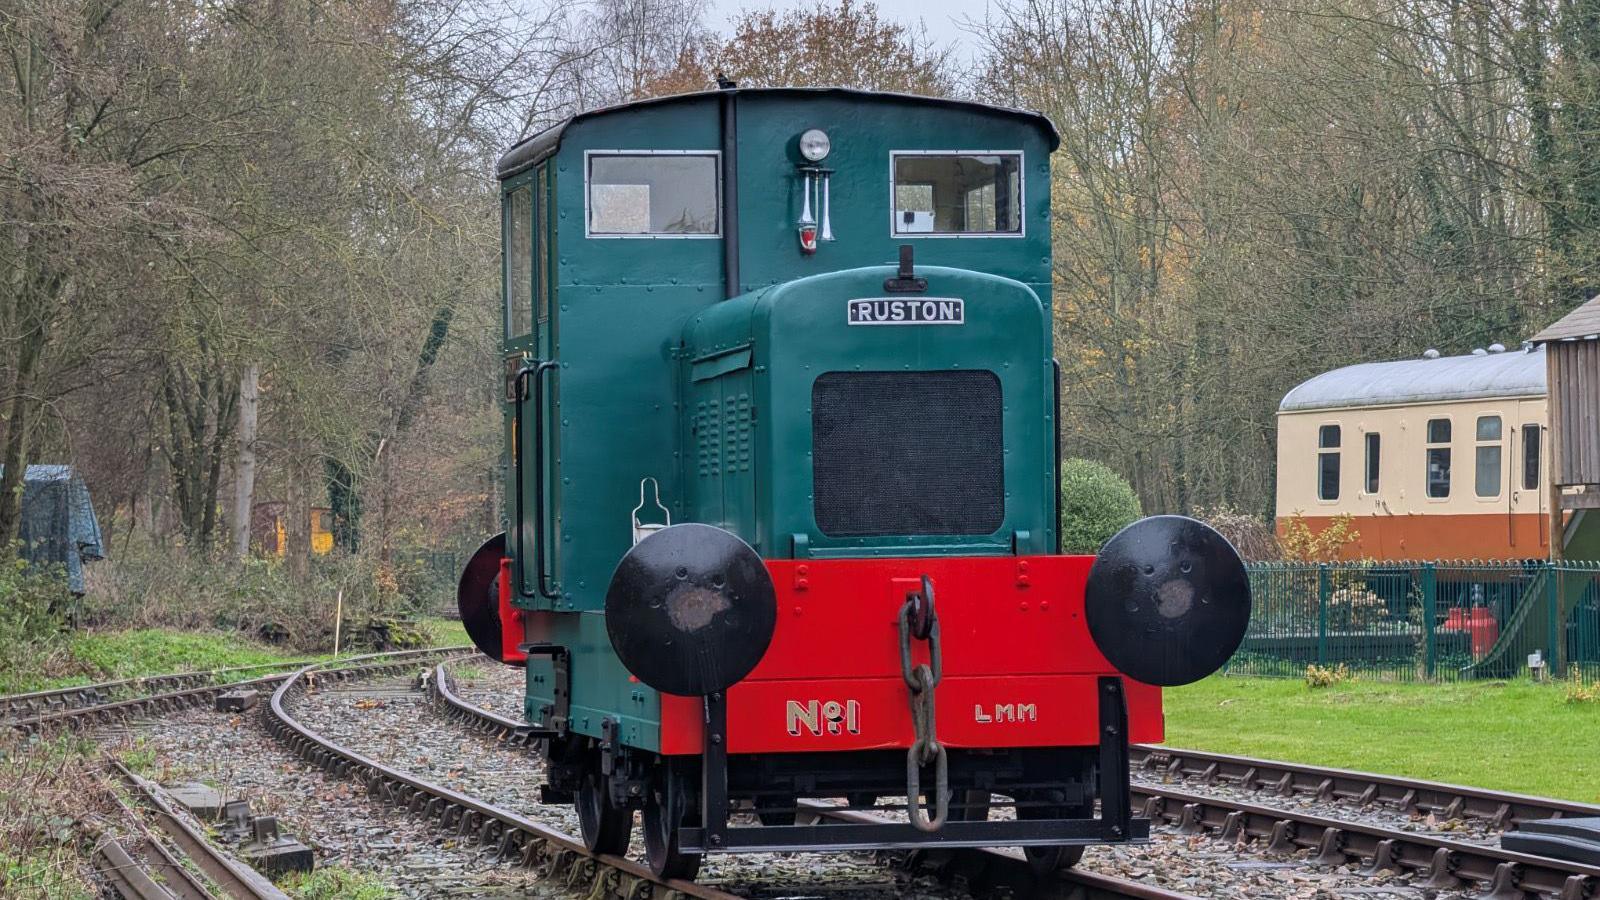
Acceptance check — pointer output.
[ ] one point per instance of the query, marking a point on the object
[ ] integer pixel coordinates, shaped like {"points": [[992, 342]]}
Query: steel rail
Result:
{"points": [[1451, 801], [555, 854], [235, 878], [80, 695], [1447, 864], [998, 866], [185, 698], [995, 866], [175, 880], [127, 877]]}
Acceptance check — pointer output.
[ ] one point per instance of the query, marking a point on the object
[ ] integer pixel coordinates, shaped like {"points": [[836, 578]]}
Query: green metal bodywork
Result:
{"points": [[659, 374]]}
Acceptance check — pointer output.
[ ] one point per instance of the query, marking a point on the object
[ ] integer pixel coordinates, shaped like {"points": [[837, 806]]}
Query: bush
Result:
{"points": [[1096, 503], [1251, 535], [1326, 676], [33, 603], [151, 586]]}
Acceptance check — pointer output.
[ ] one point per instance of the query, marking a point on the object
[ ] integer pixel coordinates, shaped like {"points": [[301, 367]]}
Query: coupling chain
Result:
{"points": [[919, 621]]}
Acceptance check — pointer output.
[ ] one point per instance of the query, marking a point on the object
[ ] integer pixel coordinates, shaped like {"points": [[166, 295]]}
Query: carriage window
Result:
{"points": [[1439, 458], [1486, 482], [652, 194], [1328, 462], [1531, 435], [1374, 445], [958, 193], [518, 208]]}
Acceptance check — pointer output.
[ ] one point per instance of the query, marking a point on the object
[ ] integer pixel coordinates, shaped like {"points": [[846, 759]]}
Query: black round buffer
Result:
{"points": [[691, 609], [1168, 600], [478, 597]]}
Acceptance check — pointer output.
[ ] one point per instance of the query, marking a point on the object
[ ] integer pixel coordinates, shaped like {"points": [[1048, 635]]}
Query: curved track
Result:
{"points": [[991, 867], [560, 856]]}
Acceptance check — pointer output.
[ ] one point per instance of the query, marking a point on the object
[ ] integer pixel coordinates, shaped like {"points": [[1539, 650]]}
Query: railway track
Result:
{"points": [[1443, 864], [1436, 863], [993, 868], [99, 705], [38, 703], [559, 856], [149, 863], [233, 878], [1497, 809]]}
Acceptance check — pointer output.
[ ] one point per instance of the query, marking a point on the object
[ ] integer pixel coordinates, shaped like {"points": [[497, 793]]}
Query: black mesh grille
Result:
{"points": [[907, 453]]}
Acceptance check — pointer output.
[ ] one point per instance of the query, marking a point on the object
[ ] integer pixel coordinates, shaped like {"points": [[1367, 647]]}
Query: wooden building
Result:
{"points": [[1573, 374]]}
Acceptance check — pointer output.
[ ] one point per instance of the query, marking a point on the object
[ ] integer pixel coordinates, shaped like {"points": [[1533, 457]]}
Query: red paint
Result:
{"points": [[1005, 642], [510, 620], [1479, 623]]}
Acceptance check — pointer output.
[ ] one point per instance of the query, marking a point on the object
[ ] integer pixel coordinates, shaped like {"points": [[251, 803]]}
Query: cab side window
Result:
{"points": [[652, 193], [517, 228]]}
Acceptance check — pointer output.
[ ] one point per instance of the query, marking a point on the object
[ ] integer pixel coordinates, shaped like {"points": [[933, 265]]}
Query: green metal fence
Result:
{"points": [[1424, 620]]}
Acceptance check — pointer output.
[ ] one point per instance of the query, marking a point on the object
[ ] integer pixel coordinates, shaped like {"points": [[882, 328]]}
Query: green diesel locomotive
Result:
{"points": [[781, 466]]}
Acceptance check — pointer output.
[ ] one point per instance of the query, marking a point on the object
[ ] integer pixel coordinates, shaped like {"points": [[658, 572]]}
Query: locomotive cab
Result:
{"points": [[781, 465]]}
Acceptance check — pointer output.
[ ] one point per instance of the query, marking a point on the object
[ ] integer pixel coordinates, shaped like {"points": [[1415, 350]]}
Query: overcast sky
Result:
{"points": [[942, 17]]}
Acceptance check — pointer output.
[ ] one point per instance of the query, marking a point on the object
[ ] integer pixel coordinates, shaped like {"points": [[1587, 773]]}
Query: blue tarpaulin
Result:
{"points": [[58, 522]]}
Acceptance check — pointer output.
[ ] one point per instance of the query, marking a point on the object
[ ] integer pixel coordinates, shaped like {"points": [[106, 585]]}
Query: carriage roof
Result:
{"points": [[535, 149], [1517, 373]]}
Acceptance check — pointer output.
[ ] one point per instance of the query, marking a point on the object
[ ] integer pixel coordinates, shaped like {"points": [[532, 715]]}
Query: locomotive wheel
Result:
{"points": [[662, 820], [1044, 860], [604, 827]]}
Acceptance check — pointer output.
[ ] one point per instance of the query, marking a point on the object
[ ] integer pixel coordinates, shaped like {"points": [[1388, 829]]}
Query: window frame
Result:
{"points": [[508, 265], [1022, 196], [589, 234], [1337, 452], [1372, 462], [1428, 446], [1478, 445], [1538, 455]]}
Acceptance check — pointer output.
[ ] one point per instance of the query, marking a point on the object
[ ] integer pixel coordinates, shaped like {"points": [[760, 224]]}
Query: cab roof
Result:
{"points": [[533, 150]]}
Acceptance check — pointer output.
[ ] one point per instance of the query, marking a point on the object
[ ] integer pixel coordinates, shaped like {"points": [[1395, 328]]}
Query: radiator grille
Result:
{"points": [[907, 453]]}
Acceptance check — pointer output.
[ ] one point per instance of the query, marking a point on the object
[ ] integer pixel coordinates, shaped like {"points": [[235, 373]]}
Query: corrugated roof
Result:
{"points": [[533, 150], [1582, 323], [1515, 373]]}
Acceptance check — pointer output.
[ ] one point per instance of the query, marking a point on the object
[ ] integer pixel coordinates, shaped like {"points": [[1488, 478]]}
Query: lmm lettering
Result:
{"points": [[818, 717], [1006, 712], [921, 311]]}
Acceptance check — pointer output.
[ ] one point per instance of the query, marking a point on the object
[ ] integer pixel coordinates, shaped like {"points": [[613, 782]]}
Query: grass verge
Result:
{"points": [[44, 783], [1513, 736]]}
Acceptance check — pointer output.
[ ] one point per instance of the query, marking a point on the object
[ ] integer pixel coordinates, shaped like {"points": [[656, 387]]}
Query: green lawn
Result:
{"points": [[1515, 736]]}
